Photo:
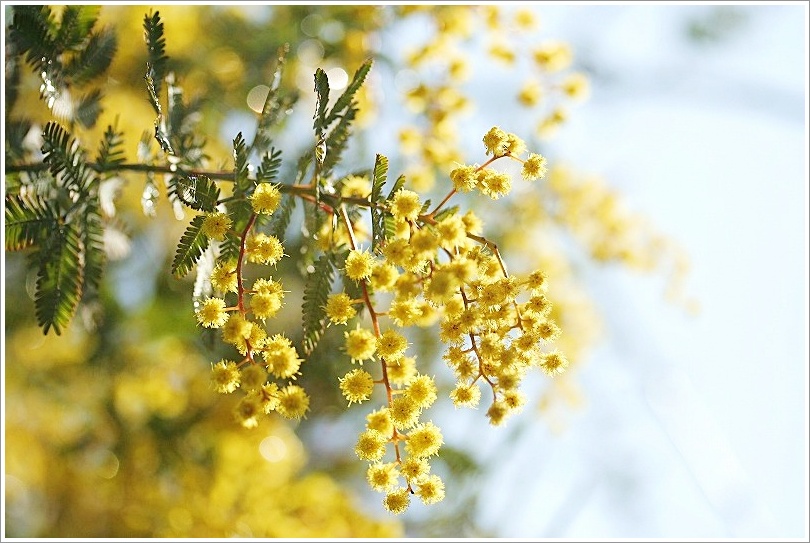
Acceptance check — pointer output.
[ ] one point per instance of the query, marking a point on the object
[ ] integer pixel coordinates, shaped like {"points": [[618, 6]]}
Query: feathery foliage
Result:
{"points": [[28, 221], [192, 244], [317, 288], [65, 158], [377, 214], [59, 278]]}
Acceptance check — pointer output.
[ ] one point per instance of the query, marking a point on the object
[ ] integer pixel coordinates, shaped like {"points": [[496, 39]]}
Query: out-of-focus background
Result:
{"points": [[688, 417]]}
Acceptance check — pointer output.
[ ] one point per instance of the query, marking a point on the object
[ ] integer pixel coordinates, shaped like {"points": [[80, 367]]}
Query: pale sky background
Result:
{"points": [[695, 426]]}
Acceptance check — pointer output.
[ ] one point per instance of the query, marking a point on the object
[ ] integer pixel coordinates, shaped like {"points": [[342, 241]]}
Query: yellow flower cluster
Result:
{"points": [[266, 360], [436, 267]]}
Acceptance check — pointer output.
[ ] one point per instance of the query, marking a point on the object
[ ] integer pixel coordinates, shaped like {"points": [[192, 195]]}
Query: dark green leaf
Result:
{"points": [[58, 287], [192, 244], [345, 100], [92, 241], [94, 59], [280, 220], [446, 212], [321, 101], [76, 24], [398, 184], [111, 149], [230, 247], [16, 132], [157, 59], [270, 166], [377, 216], [88, 109], [29, 221], [64, 156], [316, 291], [197, 192], [240, 161], [336, 142]]}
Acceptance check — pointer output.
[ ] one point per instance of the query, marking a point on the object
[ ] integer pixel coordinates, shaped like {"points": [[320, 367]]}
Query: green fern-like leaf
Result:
{"points": [[192, 243], [316, 291], [92, 244], [270, 166], [197, 192], [16, 132], [377, 215], [94, 59], [76, 24], [240, 161], [157, 60], [276, 105], [345, 100], [88, 109], [29, 221], [59, 279], [65, 158], [398, 184], [32, 33], [321, 101], [446, 212], [280, 220], [337, 140], [111, 149]]}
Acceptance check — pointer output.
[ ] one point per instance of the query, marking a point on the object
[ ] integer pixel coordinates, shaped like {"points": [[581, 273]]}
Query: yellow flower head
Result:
{"points": [[380, 421], [576, 86], [265, 199], [212, 313], [496, 141], [248, 409], [452, 232], [405, 205], [464, 178], [339, 308], [466, 395], [225, 376], [223, 277], [356, 186], [402, 371], [422, 391], [430, 489], [383, 276], [281, 357], [515, 146], [370, 445], [216, 225], [357, 386], [494, 184], [293, 402], [414, 468], [534, 167], [391, 345], [263, 248], [253, 377], [424, 440], [397, 501], [265, 306], [360, 344], [553, 363], [359, 265], [497, 413], [530, 93], [404, 412], [382, 477]]}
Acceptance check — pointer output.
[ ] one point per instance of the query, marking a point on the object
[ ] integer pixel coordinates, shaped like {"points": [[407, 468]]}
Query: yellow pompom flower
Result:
{"points": [[464, 178], [357, 386], [405, 205], [430, 489], [404, 311], [466, 395], [404, 412], [339, 308], [355, 186], [402, 371], [494, 184], [223, 277], [553, 363], [380, 421], [360, 344], [576, 86], [264, 249], [383, 276], [391, 345], [248, 409], [414, 468], [537, 282], [397, 501], [225, 376], [382, 477], [253, 377], [212, 313], [293, 402], [452, 232], [370, 445], [265, 306], [553, 56], [496, 141], [534, 167], [265, 199], [281, 357], [422, 391], [236, 329], [497, 413], [270, 397], [359, 265], [424, 440], [515, 146], [216, 225]]}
